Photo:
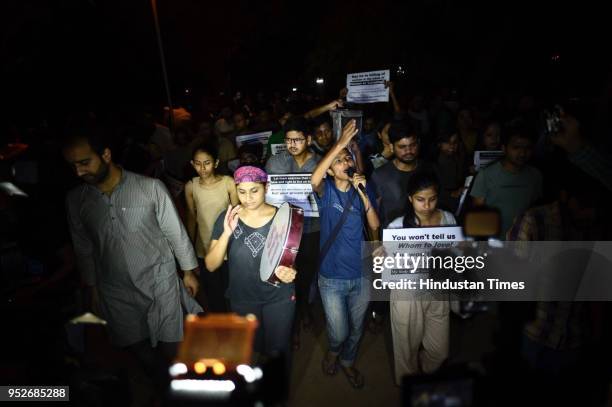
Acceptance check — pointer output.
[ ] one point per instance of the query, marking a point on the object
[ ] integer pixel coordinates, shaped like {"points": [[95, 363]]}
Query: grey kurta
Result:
{"points": [[125, 245]]}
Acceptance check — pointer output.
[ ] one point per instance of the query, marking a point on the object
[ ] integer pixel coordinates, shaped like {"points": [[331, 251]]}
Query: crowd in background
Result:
{"points": [[545, 186]]}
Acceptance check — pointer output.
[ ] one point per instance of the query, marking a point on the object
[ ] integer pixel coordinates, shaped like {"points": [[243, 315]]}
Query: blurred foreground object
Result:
{"points": [[217, 338], [213, 365], [482, 223]]}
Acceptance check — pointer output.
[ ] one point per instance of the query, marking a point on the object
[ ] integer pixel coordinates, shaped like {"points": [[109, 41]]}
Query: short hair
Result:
{"points": [[442, 132], [297, 123], [256, 149], [207, 147], [516, 129], [95, 136], [401, 129], [321, 119]]}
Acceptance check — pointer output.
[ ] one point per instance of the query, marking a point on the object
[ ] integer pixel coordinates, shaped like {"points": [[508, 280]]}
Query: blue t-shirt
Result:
{"points": [[343, 261]]}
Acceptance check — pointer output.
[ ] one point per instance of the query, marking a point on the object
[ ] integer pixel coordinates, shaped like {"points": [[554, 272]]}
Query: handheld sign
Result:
{"points": [[367, 87], [293, 188], [414, 243], [483, 159]]}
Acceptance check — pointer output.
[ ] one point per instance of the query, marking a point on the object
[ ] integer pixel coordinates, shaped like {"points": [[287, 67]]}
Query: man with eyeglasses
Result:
{"points": [[298, 158]]}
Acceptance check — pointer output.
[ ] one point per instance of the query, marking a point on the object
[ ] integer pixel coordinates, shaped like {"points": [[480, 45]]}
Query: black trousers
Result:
{"points": [[306, 264], [214, 284]]}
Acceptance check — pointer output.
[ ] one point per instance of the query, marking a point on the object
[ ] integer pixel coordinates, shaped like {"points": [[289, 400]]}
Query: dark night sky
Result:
{"points": [[75, 53]]}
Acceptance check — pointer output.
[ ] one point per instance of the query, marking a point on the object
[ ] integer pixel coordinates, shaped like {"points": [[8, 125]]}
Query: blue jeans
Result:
{"points": [[345, 303]]}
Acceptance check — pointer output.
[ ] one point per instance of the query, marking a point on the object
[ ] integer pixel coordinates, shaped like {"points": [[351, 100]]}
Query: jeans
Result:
{"points": [[345, 303]]}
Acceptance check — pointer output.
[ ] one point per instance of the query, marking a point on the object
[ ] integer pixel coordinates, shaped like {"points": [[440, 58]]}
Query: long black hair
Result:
{"points": [[419, 181]]}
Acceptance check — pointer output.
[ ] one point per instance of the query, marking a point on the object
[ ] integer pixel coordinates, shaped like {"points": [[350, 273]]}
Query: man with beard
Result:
{"points": [[510, 185], [391, 179], [298, 158], [126, 234]]}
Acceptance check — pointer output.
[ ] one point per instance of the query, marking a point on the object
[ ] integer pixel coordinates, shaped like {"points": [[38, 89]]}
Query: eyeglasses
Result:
{"points": [[295, 141]]}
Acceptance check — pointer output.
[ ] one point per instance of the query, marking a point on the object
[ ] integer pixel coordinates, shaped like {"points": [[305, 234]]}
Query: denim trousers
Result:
{"points": [[345, 303]]}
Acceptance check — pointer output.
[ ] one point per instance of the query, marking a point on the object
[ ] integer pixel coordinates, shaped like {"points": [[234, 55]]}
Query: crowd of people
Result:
{"points": [[182, 189]]}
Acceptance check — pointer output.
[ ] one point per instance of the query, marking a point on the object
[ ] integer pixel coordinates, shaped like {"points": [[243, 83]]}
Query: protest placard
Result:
{"points": [[277, 148], [293, 188], [367, 87], [253, 138], [414, 244], [483, 159]]}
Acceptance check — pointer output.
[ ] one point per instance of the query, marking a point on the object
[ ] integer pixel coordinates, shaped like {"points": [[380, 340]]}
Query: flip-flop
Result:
{"points": [[329, 368], [356, 379]]}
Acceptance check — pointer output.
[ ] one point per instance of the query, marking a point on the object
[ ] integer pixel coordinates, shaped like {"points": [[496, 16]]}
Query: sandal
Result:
{"points": [[354, 377], [329, 367]]}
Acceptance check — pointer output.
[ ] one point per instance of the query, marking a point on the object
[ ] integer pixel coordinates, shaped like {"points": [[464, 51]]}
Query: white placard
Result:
{"points": [[435, 234], [278, 148], [253, 138], [417, 242], [367, 87], [482, 159], [293, 188]]}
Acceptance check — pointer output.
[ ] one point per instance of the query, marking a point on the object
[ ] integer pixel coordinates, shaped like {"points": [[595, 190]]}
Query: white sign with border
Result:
{"points": [[367, 87], [293, 188], [253, 138], [417, 242], [483, 159], [278, 148]]}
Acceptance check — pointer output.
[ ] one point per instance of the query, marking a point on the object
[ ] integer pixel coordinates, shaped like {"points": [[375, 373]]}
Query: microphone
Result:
{"points": [[350, 171]]}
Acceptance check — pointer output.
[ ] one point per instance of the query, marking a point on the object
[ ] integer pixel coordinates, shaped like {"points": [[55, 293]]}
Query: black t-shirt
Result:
{"points": [[244, 255], [392, 187]]}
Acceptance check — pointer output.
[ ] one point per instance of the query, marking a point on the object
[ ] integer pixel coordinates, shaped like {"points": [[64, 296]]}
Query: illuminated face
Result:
{"points": [[204, 164], [251, 194], [296, 142], [450, 146], [492, 137], [424, 201], [87, 164], [406, 150], [518, 151], [324, 135], [341, 162]]}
